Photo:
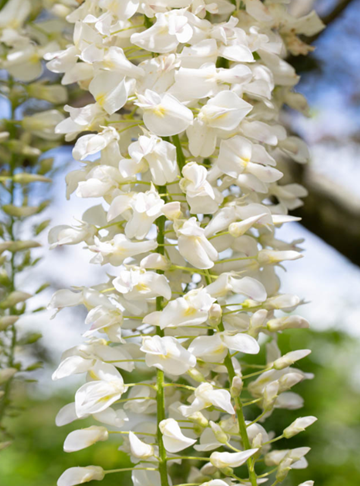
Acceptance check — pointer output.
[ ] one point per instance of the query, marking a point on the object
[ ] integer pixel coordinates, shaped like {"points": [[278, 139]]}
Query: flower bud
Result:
{"points": [[6, 374], [14, 298], [227, 471], [172, 210], [272, 257], [297, 101], [215, 315], [257, 441], [196, 375], [20, 211], [5, 245], [219, 433], [23, 245], [198, 429], [240, 228], [53, 94], [291, 322], [299, 425], [61, 11], [236, 387], [155, 261], [289, 380], [270, 394], [208, 469], [286, 302], [290, 358], [283, 469], [46, 165], [25, 178], [199, 418], [43, 124], [7, 321], [22, 148]]}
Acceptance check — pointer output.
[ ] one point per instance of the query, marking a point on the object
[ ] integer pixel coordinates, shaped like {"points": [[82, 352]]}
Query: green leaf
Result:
{"points": [[30, 338], [42, 226], [20, 211], [35, 366], [14, 298], [42, 287], [39, 309]]}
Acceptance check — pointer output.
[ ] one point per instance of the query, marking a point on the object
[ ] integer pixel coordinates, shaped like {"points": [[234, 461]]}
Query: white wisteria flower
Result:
{"points": [[80, 475], [167, 354], [190, 310], [164, 115], [140, 449], [222, 460], [174, 439], [96, 396], [206, 396], [80, 439]]}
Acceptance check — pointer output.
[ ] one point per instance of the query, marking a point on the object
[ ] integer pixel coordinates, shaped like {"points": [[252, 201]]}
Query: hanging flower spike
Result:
{"points": [[188, 132]]}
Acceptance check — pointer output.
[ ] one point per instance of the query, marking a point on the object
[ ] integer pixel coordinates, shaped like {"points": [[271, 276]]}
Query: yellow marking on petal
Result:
{"points": [[34, 58], [141, 287], [109, 64], [245, 161], [93, 375], [101, 98], [160, 111], [218, 350], [190, 311], [223, 115], [105, 399]]}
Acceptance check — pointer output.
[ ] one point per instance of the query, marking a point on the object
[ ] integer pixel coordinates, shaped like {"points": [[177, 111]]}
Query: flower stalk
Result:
{"points": [[160, 382]]}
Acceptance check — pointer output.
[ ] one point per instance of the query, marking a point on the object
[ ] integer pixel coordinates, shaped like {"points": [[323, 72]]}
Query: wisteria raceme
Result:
{"points": [[187, 97]]}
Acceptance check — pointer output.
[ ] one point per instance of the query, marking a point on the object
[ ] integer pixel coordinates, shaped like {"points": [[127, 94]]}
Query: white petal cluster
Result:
{"points": [[182, 137]]}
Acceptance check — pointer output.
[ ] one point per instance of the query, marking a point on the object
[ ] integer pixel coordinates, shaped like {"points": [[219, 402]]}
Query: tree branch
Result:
{"points": [[331, 17], [330, 212]]}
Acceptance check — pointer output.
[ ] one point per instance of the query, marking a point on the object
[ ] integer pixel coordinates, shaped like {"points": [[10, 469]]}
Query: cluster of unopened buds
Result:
{"points": [[28, 30], [187, 96]]}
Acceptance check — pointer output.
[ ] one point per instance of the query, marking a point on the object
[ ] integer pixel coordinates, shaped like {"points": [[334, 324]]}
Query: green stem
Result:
{"points": [[240, 416], [274, 440], [229, 260], [160, 417], [147, 22], [160, 396], [112, 471], [181, 160], [3, 3], [190, 458], [127, 432], [181, 386]]}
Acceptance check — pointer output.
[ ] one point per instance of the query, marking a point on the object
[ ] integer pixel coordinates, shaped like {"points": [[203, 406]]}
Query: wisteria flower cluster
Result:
{"points": [[187, 96], [28, 30]]}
